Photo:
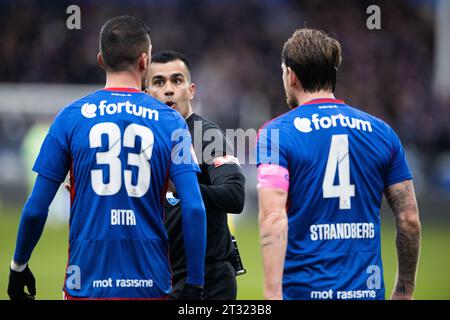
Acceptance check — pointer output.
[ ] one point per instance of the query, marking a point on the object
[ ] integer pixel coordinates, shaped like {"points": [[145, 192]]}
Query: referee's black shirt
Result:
{"points": [[222, 189]]}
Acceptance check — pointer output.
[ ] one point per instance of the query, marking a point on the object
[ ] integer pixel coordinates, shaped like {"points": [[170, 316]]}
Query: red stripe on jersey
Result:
{"points": [[72, 197], [72, 183], [122, 89], [162, 195], [163, 199], [67, 265], [319, 101], [69, 297]]}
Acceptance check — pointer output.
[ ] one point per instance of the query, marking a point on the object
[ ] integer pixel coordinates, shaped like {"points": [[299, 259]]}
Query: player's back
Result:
{"points": [[339, 159], [120, 144]]}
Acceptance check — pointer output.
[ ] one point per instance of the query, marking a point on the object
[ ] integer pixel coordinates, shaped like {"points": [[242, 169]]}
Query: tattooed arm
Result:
{"points": [[402, 200], [273, 229]]}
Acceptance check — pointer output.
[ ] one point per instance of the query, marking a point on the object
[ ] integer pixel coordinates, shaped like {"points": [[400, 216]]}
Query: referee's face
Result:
{"points": [[170, 83]]}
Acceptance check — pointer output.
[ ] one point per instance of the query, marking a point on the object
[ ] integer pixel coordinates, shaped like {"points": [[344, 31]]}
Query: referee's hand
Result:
{"points": [[191, 292], [17, 283]]}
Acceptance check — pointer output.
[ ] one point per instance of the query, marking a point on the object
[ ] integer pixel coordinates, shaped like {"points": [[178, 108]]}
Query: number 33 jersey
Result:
{"points": [[117, 144], [339, 160]]}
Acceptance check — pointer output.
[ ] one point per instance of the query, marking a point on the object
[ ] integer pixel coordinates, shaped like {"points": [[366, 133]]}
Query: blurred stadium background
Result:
{"points": [[400, 73]]}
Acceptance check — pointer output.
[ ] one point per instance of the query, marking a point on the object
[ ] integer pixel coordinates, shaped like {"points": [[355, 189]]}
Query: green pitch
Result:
{"points": [[50, 257], [433, 278]]}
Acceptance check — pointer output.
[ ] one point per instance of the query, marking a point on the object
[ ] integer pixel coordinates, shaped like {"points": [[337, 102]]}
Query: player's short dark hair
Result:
{"points": [[122, 40], [170, 55], [314, 57]]}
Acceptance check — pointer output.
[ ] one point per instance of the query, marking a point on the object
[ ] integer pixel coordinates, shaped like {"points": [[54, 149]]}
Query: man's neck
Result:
{"points": [[123, 79], [308, 96], [190, 113]]}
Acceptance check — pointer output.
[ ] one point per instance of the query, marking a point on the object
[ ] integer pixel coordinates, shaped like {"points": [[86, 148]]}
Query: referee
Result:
{"points": [[221, 181]]}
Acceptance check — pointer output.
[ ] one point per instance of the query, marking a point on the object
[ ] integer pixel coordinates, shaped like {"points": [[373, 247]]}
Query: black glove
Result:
{"points": [[191, 292], [17, 283]]}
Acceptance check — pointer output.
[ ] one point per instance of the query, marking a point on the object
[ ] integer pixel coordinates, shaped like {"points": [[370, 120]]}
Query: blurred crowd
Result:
{"points": [[234, 48]]}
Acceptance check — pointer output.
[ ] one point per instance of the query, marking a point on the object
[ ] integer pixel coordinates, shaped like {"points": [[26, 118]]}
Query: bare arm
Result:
{"points": [[273, 229], [402, 201]]}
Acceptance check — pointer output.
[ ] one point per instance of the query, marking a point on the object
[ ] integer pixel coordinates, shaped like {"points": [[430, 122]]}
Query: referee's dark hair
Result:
{"points": [[315, 57], [165, 56], [122, 40]]}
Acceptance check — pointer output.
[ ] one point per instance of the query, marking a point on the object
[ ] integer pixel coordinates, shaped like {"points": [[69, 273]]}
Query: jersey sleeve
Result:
{"points": [[182, 156], [270, 148], [398, 169], [53, 161]]}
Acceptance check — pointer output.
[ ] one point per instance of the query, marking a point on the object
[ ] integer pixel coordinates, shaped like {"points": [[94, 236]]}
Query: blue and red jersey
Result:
{"points": [[340, 160], [118, 145]]}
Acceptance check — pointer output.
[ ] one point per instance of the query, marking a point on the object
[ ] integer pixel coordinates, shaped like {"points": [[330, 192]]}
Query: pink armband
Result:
{"points": [[273, 176]]}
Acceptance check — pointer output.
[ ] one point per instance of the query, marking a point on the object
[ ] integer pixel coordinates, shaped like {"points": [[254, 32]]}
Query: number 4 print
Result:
{"points": [[338, 159]]}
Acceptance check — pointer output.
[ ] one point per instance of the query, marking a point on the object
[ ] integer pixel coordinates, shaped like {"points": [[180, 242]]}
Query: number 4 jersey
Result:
{"points": [[339, 160], [117, 144]]}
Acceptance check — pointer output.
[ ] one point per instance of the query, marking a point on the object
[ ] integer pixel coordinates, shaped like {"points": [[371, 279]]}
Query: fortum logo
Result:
{"points": [[91, 110], [307, 125]]}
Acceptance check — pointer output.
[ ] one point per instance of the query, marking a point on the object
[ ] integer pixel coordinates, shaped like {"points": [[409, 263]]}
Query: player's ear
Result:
{"points": [[143, 61], [100, 61], [292, 77], [192, 89]]}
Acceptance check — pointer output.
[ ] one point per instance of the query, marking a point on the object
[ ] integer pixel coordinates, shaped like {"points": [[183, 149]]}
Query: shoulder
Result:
{"points": [[274, 123], [86, 105], [206, 124], [385, 134], [367, 116], [378, 124], [270, 131], [75, 107], [281, 120]]}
